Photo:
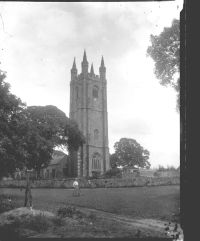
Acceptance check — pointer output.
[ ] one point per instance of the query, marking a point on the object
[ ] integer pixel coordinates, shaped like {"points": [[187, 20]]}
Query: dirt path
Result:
{"points": [[140, 223], [104, 225], [146, 227]]}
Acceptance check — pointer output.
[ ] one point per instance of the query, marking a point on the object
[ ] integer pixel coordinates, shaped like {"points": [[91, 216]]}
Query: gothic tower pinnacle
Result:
{"points": [[92, 70], [74, 64], [102, 69], [74, 70], [102, 62], [84, 64]]}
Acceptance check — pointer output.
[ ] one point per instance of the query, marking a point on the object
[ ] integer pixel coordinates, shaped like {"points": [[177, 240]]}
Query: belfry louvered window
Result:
{"points": [[96, 134]]}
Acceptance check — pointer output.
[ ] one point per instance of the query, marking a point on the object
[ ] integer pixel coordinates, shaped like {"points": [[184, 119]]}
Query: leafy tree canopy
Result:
{"points": [[75, 137], [114, 160], [11, 115], [165, 51], [59, 128], [51, 122], [113, 172], [28, 135], [129, 153], [48, 127]]}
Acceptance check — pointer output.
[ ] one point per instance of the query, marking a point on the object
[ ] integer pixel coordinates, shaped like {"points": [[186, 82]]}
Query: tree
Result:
{"points": [[38, 147], [113, 172], [50, 121], [129, 153], [49, 128], [11, 116], [113, 160], [165, 51], [28, 135], [75, 138]]}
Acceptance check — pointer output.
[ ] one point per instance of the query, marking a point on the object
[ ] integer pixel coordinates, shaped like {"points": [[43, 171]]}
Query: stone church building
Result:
{"points": [[88, 107]]}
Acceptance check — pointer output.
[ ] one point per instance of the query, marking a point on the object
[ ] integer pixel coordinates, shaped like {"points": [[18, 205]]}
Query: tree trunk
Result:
{"points": [[28, 195]]}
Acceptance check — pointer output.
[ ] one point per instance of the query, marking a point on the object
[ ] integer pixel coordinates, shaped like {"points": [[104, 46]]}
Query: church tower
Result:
{"points": [[88, 107]]}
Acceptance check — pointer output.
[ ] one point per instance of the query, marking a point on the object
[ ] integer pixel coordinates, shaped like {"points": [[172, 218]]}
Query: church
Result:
{"points": [[88, 107]]}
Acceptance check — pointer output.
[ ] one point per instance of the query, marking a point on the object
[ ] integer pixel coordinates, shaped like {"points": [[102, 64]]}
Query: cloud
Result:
{"points": [[41, 40], [136, 126]]}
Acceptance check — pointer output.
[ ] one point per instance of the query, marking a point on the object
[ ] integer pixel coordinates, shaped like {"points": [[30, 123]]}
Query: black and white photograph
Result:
{"points": [[90, 120]]}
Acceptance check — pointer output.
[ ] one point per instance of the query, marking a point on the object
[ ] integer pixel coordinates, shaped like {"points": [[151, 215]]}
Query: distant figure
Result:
{"points": [[76, 191], [90, 183]]}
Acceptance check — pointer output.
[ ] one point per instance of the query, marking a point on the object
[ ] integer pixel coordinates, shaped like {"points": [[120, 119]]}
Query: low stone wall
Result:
{"points": [[114, 182], [168, 173]]}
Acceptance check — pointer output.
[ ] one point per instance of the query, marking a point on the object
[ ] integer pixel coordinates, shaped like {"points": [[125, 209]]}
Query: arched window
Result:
{"points": [[96, 134], [95, 92], [96, 161]]}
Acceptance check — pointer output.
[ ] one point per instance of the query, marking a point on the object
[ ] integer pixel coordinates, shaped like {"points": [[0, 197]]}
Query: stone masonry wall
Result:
{"points": [[95, 183]]}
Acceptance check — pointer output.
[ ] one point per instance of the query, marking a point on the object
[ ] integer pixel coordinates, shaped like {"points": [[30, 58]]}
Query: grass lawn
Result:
{"points": [[159, 202]]}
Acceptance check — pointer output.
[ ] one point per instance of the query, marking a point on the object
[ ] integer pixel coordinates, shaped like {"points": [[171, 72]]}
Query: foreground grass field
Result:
{"points": [[159, 202]]}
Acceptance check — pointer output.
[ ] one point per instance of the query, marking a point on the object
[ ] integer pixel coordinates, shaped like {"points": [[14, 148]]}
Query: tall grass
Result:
{"points": [[39, 223], [7, 203]]}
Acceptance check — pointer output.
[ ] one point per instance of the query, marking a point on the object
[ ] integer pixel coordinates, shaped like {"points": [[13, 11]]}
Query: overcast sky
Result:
{"points": [[39, 41]]}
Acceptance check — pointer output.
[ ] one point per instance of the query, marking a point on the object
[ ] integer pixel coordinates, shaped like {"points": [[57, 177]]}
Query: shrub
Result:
{"points": [[157, 174], [95, 174], [114, 172], [70, 211], [15, 221], [79, 214], [5, 204], [9, 231], [91, 216], [39, 223], [58, 221], [67, 211]]}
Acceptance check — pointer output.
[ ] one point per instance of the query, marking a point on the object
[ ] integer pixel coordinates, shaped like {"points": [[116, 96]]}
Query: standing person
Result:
{"points": [[76, 191], [90, 183]]}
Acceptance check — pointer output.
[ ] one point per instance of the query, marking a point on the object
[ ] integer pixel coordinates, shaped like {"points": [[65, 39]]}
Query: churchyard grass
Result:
{"points": [[159, 202]]}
